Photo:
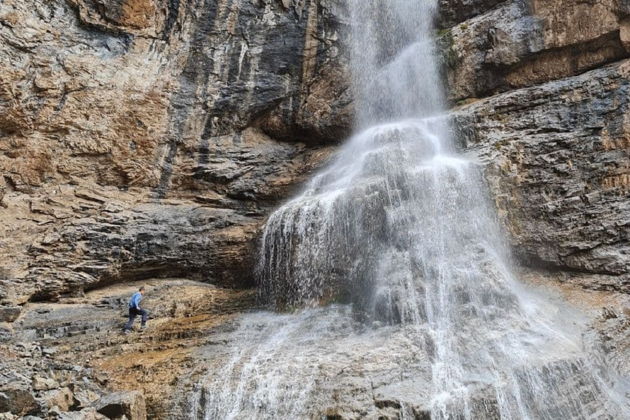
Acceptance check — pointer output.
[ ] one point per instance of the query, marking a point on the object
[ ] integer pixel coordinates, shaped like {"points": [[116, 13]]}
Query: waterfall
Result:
{"points": [[394, 278]]}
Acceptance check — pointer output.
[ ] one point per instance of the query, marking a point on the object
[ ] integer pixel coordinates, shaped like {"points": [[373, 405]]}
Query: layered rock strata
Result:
{"points": [[132, 127], [558, 164], [151, 138], [527, 42], [206, 105], [541, 99]]}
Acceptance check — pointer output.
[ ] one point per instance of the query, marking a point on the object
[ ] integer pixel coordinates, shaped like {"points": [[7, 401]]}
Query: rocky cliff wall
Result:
{"points": [[148, 138], [540, 90]]}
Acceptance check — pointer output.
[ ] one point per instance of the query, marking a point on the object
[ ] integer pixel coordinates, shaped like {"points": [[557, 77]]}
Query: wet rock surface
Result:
{"points": [[143, 138], [558, 159], [70, 360], [342, 370], [339, 370]]}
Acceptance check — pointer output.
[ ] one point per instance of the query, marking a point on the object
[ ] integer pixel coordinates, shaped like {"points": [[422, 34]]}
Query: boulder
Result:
{"points": [[17, 400], [130, 404], [84, 398], [41, 383], [61, 398], [9, 313]]}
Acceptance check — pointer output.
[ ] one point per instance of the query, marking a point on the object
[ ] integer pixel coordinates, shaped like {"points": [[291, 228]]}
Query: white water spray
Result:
{"points": [[399, 230]]}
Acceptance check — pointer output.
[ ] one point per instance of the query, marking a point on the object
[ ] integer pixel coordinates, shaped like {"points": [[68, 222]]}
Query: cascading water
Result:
{"points": [[399, 231]]}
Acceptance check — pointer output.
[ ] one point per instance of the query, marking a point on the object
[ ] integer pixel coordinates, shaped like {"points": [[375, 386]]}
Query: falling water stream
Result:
{"points": [[409, 308]]}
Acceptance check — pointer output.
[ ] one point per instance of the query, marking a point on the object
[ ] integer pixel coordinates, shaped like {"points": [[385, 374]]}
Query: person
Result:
{"points": [[135, 310]]}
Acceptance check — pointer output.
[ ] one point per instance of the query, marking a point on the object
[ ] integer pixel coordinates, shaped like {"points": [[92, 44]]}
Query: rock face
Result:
{"points": [[151, 138], [554, 135], [526, 42], [146, 137], [169, 122], [558, 165], [127, 126]]}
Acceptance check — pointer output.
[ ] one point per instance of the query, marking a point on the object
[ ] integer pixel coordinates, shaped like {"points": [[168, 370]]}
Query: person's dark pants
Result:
{"points": [[133, 313]]}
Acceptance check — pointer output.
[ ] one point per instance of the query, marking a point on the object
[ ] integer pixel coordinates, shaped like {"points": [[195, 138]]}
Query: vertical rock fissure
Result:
{"points": [[193, 87]]}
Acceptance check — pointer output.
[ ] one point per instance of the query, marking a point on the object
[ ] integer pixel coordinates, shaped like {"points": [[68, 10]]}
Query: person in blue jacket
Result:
{"points": [[135, 310]]}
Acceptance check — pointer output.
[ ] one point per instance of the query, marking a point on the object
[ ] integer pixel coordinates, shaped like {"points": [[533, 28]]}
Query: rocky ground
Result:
{"points": [[69, 359]]}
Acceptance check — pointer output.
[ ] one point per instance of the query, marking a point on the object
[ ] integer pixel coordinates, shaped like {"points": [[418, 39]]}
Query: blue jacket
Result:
{"points": [[134, 302]]}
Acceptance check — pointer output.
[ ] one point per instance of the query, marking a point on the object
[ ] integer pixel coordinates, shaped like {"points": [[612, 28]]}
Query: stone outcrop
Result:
{"points": [[131, 405], [526, 42], [550, 127], [83, 237], [166, 123], [558, 165], [151, 138], [108, 108]]}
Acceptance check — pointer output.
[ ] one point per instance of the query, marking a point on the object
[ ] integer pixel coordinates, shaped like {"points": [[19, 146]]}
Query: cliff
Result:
{"points": [[149, 139], [146, 138], [541, 96]]}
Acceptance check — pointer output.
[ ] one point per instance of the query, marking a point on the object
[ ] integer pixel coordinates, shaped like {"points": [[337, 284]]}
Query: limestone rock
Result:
{"points": [[17, 400], [143, 138], [61, 398], [522, 43], [558, 161], [456, 11], [84, 398], [93, 358], [125, 403], [9, 313], [41, 383], [140, 17], [224, 105], [204, 236]]}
